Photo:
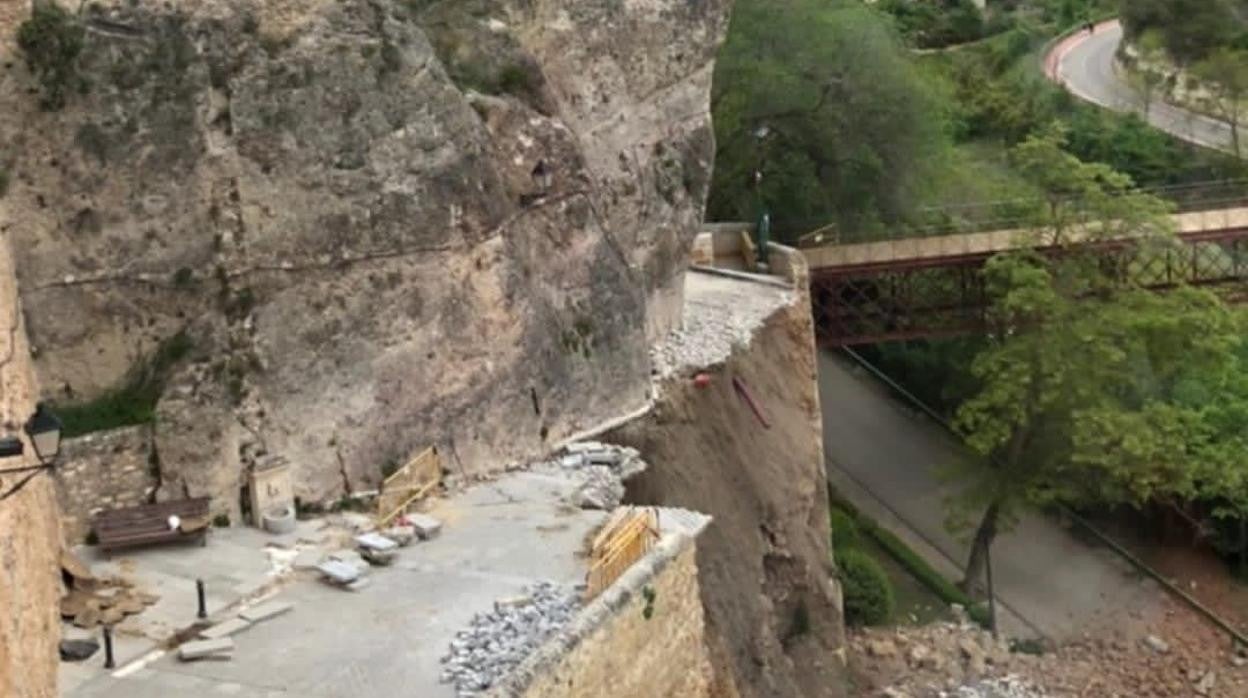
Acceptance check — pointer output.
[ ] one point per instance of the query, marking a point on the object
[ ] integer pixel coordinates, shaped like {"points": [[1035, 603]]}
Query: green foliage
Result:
{"points": [[867, 590], [1190, 29], [915, 565], [1094, 389], [183, 277], [4, 181], [221, 521], [844, 530], [51, 42], [937, 23], [1224, 72], [134, 401], [649, 594], [821, 97]]}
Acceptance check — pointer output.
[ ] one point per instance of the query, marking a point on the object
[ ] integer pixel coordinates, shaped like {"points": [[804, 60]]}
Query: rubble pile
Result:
{"points": [[497, 641], [604, 468], [710, 332], [1178, 657]]}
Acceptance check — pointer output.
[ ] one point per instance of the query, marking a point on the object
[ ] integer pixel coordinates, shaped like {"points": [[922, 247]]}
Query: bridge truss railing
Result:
{"points": [[1010, 214], [943, 296]]}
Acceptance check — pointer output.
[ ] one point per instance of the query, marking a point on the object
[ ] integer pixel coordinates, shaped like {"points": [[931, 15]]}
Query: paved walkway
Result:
{"points": [[1084, 64], [388, 639], [885, 457]]}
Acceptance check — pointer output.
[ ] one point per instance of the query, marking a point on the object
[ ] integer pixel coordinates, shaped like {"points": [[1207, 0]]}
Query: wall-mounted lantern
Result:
{"points": [[44, 429]]}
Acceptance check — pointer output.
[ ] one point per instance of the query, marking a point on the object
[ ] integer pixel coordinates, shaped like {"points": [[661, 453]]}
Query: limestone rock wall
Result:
{"points": [[383, 224], [774, 625], [100, 471], [30, 542]]}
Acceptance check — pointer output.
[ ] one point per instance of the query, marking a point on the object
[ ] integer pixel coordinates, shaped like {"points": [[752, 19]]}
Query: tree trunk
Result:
{"points": [[973, 579]]}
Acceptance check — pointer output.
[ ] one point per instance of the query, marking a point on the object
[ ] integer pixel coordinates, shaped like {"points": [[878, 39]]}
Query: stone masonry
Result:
{"points": [[101, 471]]}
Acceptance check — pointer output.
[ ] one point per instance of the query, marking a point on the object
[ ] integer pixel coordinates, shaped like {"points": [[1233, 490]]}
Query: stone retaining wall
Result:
{"points": [[105, 470], [642, 637]]}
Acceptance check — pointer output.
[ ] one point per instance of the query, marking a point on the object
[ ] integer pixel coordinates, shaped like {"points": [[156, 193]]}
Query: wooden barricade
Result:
{"points": [[628, 535], [407, 484]]}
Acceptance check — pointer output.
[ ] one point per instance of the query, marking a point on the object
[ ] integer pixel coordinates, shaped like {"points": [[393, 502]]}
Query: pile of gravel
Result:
{"points": [[1004, 687], [495, 642], [602, 468], [711, 329]]}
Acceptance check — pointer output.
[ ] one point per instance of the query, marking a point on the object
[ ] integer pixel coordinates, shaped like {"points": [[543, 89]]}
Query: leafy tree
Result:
{"points": [[1190, 29], [1225, 73], [1093, 388], [821, 98]]}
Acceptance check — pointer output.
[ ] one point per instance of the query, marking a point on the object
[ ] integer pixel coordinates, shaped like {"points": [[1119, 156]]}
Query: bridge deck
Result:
{"points": [[938, 250]]}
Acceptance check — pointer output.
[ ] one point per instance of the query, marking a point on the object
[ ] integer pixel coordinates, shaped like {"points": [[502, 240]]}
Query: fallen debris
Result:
{"points": [[375, 541], [497, 641], [265, 611], [199, 649], [225, 629], [425, 526]]}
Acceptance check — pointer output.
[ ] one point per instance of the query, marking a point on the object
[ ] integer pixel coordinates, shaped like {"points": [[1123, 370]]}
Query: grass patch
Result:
{"points": [[134, 401], [901, 553]]}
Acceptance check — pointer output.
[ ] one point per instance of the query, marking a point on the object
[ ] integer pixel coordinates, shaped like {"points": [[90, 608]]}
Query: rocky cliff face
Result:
{"points": [[381, 224], [30, 542], [773, 618]]}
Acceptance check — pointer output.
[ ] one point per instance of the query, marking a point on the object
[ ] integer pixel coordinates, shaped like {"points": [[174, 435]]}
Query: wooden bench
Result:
{"points": [[149, 523]]}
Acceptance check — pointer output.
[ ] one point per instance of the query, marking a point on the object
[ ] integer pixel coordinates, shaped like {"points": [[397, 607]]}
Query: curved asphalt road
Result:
{"points": [[1084, 64]]}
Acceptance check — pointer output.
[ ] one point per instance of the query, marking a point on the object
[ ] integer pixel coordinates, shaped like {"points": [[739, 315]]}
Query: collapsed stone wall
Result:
{"points": [[30, 543], [774, 623], [382, 224], [107, 470]]}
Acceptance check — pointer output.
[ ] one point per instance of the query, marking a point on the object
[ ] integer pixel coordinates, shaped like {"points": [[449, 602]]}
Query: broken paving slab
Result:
{"points": [[359, 584], [381, 558], [265, 611], [583, 446], [225, 629], [199, 649], [339, 572], [426, 526], [402, 535], [376, 541], [307, 559]]}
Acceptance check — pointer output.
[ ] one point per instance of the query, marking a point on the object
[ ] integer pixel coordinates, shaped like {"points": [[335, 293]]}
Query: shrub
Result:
{"points": [[844, 530], [868, 592], [51, 41], [132, 402]]}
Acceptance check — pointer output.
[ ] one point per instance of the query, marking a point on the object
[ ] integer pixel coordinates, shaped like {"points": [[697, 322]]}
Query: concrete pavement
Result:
{"points": [[1084, 64], [885, 459], [388, 639]]}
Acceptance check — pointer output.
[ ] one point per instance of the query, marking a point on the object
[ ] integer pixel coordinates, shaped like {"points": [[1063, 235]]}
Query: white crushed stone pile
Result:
{"points": [[603, 469], [1003, 687], [496, 642], [717, 318]]}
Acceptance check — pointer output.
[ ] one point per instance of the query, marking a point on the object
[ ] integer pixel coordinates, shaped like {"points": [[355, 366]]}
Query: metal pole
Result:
{"points": [[108, 647], [992, 596], [203, 604]]}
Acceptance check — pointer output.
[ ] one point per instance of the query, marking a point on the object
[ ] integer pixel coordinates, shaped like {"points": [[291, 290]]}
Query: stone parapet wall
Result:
{"points": [[644, 636], [107, 470]]}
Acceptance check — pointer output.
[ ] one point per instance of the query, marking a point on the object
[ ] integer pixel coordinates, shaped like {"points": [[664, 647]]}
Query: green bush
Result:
{"points": [[868, 592], [51, 41], [134, 401], [844, 530]]}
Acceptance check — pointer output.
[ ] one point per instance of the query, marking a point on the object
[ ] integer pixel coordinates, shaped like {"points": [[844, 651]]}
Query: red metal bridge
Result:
{"points": [[923, 287]]}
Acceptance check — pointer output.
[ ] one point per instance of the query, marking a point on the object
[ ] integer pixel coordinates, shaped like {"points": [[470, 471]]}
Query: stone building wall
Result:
{"points": [[619, 648], [106, 470], [30, 541]]}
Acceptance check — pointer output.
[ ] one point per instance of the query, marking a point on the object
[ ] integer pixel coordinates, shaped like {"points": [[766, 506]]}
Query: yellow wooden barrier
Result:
{"points": [[409, 483], [626, 538]]}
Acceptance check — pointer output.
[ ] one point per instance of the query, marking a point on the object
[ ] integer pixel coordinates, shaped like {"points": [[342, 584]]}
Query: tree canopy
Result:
{"points": [[1092, 386], [822, 99]]}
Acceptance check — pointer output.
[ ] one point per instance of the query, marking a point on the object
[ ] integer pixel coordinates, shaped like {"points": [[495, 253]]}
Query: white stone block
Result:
{"points": [[266, 611], [225, 629], [205, 648]]}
